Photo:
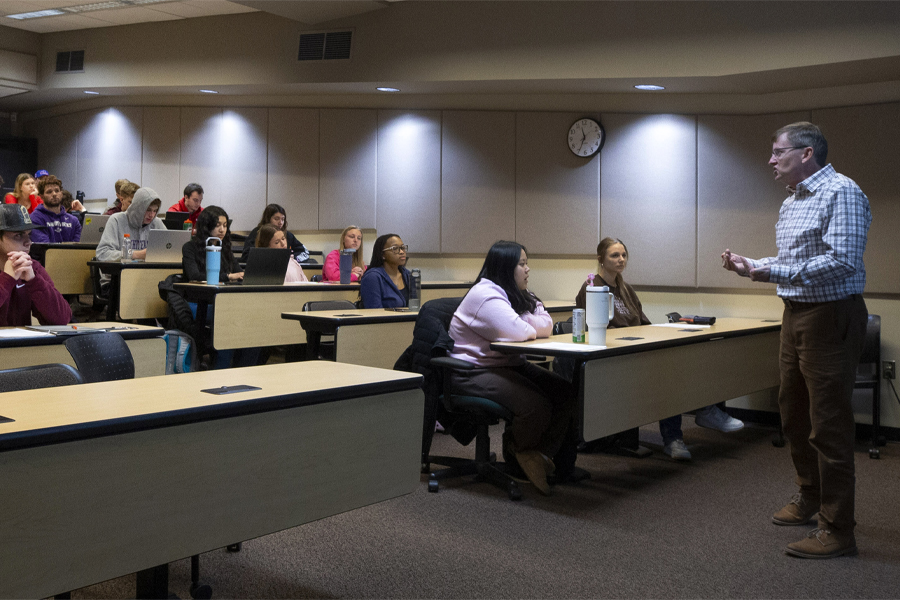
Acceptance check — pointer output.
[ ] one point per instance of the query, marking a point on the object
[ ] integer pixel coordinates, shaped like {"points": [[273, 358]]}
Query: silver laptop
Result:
{"points": [[93, 227], [164, 245]]}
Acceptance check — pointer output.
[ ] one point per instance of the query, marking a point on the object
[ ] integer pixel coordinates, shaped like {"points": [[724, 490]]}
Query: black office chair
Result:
{"points": [[106, 357], [317, 345], [464, 417], [100, 293], [36, 377], [868, 376]]}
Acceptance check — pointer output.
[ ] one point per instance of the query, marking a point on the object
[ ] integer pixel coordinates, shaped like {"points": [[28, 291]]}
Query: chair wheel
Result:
{"points": [[200, 591], [433, 486], [514, 492], [426, 468], [874, 453], [234, 547]]}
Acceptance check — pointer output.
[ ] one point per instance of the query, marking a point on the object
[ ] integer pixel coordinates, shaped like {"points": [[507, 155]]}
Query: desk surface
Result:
{"points": [[328, 320], [50, 415], [651, 337], [203, 291], [128, 332], [116, 266]]}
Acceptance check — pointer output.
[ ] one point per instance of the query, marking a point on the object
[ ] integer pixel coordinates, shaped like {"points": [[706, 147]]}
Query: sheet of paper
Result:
{"points": [[22, 333], [566, 347], [681, 325]]}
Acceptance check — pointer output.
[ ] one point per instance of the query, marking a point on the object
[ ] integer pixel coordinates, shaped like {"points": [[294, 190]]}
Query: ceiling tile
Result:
{"points": [[131, 15], [201, 8]]}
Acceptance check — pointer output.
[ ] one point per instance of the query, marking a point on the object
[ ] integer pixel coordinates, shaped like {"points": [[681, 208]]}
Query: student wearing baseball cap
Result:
{"points": [[25, 287]]}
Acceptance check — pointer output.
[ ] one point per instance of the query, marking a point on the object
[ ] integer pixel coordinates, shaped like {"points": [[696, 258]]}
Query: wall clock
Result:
{"points": [[586, 137]]}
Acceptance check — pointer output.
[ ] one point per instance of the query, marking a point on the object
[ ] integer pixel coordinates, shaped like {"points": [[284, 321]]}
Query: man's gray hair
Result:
{"points": [[805, 134]]}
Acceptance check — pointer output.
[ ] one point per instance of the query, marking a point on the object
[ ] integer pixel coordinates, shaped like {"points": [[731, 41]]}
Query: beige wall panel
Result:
{"points": [[294, 165], [162, 153], [409, 177], [478, 203], [348, 147], [201, 141], [649, 195], [109, 148], [862, 144], [737, 197], [241, 171], [557, 193], [58, 147]]}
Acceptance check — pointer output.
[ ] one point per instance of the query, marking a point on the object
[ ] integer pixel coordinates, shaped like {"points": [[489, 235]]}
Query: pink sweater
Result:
{"points": [[484, 316]]}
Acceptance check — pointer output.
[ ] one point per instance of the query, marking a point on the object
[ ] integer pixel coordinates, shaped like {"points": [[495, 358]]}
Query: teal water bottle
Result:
{"points": [[213, 260]]}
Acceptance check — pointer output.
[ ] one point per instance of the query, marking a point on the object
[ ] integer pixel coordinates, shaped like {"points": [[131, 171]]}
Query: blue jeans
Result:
{"points": [[670, 429]]}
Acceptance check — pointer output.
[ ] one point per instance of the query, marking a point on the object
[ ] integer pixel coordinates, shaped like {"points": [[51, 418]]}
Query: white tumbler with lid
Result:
{"points": [[599, 311]]}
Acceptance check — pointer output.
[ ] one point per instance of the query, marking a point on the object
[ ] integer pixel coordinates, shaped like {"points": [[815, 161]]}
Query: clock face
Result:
{"points": [[586, 137]]}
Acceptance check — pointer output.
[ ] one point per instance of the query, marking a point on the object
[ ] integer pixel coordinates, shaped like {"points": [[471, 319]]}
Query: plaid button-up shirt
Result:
{"points": [[821, 237]]}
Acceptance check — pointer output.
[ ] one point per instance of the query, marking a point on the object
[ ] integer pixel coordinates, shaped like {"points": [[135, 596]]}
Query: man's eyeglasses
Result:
{"points": [[398, 249], [779, 152]]}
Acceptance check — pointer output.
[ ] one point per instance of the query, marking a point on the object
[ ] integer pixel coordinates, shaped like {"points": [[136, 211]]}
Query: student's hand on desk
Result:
{"points": [[139, 254], [358, 271], [18, 266], [736, 263], [235, 276]]}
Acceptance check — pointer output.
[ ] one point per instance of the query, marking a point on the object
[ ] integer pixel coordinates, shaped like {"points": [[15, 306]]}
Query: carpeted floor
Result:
{"points": [[641, 528]]}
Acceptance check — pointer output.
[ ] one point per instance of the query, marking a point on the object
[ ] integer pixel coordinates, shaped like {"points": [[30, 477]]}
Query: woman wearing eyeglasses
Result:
{"points": [[386, 282]]}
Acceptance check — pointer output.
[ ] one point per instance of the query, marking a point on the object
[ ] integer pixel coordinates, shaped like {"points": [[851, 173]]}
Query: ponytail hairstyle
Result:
{"points": [[500, 266]]}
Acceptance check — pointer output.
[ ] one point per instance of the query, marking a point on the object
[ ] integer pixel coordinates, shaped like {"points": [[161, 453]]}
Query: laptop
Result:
{"points": [[175, 220], [165, 246], [266, 266], [92, 229]]}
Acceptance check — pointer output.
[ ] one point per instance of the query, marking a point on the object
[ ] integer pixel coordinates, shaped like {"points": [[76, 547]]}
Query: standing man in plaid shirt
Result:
{"points": [[821, 237]]}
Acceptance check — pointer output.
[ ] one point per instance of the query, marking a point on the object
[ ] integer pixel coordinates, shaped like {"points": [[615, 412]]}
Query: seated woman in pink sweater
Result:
{"points": [[269, 237], [500, 308], [351, 239]]}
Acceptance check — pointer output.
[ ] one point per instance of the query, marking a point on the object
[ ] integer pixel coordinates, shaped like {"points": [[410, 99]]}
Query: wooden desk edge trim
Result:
{"points": [[622, 350], [82, 431], [328, 325], [201, 291], [28, 342], [115, 265]]}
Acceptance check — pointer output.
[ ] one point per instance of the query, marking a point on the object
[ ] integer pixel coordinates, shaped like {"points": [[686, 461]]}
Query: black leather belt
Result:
{"points": [[795, 304]]}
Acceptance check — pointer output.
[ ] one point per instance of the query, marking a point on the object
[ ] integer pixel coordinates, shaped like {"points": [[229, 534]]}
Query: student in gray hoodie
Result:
{"points": [[137, 221]]}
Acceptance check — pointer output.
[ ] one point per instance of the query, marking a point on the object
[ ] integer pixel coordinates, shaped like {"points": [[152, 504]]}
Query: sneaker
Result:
{"points": [[821, 543], [713, 417], [535, 466], [677, 450], [799, 511]]}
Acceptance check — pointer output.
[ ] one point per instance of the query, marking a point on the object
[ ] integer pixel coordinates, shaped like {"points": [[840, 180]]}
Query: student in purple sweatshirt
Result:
{"points": [[25, 287], [500, 308]]}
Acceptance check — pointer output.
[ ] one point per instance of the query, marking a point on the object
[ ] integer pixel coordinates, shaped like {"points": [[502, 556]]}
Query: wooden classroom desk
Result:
{"points": [[376, 337], [133, 291], [106, 479], [146, 344], [248, 316], [664, 373], [67, 265]]}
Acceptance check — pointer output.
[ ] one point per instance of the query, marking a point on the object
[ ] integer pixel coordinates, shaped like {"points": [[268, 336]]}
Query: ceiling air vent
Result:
{"points": [[70, 62], [325, 45]]}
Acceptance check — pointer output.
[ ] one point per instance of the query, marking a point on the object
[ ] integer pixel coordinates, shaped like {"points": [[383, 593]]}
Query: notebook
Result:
{"points": [[165, 246], [266, 266], [92, 229]]}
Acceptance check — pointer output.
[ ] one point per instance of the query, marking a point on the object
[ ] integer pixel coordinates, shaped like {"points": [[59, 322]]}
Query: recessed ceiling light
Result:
{"points": [[95, 6], [38, 13], [649, 87], [90, 92], [387, 89], [209, 91]]}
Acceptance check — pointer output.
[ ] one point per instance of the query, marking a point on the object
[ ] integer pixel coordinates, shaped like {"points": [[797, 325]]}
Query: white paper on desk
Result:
{"points": [[681, 325], [565, 347], [22, 333]]}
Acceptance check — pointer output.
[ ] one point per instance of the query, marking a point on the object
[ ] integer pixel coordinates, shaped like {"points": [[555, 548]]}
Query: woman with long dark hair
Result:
{"points": [[275, 215], [386, 282], [212, 222], [501, 308]]}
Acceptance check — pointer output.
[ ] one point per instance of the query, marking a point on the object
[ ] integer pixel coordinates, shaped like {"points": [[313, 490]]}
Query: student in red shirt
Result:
{"points": [[190, 203], [25, 193]]}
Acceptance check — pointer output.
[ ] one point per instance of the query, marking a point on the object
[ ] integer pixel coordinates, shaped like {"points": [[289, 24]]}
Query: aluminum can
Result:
{"points": [[578, 325]]}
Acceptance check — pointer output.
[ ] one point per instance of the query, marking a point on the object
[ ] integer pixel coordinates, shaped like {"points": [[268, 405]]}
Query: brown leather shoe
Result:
{"points": [[798, 511], [821, 543], [535, 466]]}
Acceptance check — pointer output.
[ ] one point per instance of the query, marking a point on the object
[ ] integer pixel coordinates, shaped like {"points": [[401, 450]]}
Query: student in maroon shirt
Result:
{"points": [[25, 287]]}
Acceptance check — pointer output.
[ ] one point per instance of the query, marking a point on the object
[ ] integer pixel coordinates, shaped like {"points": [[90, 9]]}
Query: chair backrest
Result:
{"points": [[328, 305], [177, 308], [871, 353], [101, 356], [40, 376], [99, 299]]}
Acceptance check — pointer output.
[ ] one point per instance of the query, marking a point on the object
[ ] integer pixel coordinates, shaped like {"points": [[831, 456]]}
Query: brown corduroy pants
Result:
{"points": [[820, 348]]}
